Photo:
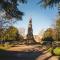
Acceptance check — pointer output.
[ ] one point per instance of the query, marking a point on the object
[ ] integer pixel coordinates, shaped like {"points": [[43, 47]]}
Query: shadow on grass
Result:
{"points": [[14, 55]]}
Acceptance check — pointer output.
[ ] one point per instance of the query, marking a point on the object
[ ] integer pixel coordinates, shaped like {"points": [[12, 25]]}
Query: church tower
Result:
{"points": [[30, 38]]}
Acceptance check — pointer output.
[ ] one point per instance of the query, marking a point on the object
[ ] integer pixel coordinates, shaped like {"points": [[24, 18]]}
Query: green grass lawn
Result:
{"points": [[56, 51], [50, 49]]}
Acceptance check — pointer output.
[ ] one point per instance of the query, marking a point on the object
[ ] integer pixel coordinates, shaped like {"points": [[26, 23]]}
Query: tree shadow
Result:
{"points": [[14, 55], [48, 41], [48, 57]]}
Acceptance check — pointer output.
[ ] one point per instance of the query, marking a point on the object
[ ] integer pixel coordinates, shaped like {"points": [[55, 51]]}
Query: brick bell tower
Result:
{"points": [[30, 37]]}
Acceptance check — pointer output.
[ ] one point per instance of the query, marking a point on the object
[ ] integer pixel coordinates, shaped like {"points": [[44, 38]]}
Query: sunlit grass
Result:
{"points": [[5, 46], [50, 49], [56, 51]]}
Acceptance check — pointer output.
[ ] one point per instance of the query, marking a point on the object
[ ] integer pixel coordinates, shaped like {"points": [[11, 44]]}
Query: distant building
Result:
{"points": [[37, 38], [22, 31]]}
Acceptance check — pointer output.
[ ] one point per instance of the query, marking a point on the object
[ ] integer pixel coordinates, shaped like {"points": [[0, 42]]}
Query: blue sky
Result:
{"points": [[41, 18]]}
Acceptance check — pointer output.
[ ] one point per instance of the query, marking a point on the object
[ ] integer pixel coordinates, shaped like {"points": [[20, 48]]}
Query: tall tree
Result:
{"points": [[48, 32], [51, 33], [11, 33], [48, 38], [58, 27]]}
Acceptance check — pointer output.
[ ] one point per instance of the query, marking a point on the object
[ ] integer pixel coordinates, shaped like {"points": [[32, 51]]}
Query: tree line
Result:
{"points": [[10, 35], [52, 34]]}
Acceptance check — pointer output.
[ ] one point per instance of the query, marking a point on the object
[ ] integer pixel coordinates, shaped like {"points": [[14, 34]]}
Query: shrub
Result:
{"points": [[56, 51]]}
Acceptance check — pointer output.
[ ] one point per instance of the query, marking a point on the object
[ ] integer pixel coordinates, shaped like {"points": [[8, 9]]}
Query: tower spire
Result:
{"points": [[30, 38]]}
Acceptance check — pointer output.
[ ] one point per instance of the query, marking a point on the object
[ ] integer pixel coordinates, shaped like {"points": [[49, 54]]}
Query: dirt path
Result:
{"points": [[25, 48], [32, 55], [44, 56], [20, 48], [47, 56]]}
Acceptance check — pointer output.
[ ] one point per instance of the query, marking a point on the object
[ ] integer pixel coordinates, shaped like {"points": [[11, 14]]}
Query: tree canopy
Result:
{"points": [[58, 27], [10, 8], [51, 4]]}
